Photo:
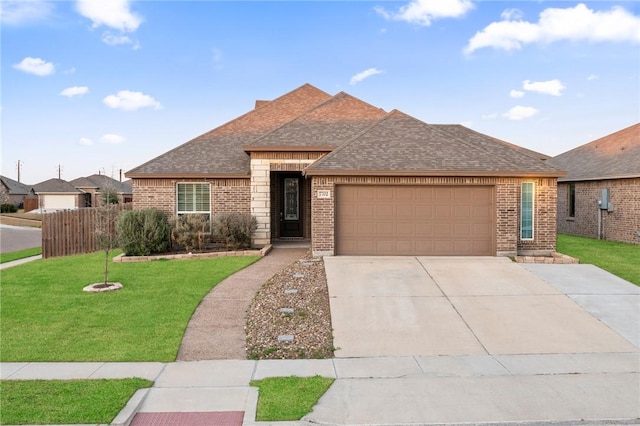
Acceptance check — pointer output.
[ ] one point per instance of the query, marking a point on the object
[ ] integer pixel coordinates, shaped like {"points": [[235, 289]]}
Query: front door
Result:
{"points": [[290, 213]]}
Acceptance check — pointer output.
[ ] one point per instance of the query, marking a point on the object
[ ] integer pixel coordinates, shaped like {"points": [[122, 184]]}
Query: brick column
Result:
{"points": [[261, 201]]}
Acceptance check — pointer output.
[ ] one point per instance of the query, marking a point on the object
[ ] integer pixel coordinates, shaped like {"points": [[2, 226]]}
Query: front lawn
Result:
{"points": [[621, 259], [20, 254], [47, 317], [65, 402], [288, 398]]}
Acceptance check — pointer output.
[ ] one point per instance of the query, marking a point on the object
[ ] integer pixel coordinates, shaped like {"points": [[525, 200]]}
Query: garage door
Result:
{"points": [[415, 220], [59, 201]]}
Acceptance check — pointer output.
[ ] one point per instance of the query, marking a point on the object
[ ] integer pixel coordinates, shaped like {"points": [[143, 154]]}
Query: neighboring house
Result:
{"points": [[57, 194], [12, 192], [612, 164], [354, 179], [93, 186]]}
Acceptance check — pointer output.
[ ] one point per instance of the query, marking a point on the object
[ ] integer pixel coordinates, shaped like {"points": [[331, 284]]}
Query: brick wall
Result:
{"points": [[507, 218], [227, 195], [620, 224]]}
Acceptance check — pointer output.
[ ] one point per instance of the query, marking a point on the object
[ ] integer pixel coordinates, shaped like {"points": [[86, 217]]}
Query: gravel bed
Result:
{"points": [[309, 323]]}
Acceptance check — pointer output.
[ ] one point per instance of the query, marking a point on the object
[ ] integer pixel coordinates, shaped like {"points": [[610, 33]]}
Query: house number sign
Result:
{"points": [[324, 193]]}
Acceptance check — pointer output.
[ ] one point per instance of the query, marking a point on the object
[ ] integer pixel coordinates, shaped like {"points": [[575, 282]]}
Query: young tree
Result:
{"points": [[105, 228]]}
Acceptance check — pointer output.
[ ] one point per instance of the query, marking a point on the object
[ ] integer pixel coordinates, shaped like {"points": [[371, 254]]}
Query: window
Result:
{"points": [[194, 198], [526, 211], [571, 203]]}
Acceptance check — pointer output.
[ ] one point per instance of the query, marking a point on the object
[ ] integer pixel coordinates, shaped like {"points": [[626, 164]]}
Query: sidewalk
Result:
{"points": [[555, 388], [19, 262]]}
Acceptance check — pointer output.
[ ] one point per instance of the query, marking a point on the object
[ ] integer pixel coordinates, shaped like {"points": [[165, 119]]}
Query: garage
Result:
{"points": [[392, 220], [58, 201]]}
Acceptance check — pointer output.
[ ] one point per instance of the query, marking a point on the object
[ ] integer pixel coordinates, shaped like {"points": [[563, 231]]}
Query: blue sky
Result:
{"points": [[95, 85]]}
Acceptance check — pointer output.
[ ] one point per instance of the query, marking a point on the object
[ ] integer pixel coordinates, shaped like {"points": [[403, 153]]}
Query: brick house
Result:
{"points": [[57, 194], [612, 164], [354, 179], [12, 192], [93, 186]]}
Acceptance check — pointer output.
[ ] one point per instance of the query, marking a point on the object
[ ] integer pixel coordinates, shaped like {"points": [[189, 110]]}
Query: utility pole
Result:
{"points": [[19, 167]]}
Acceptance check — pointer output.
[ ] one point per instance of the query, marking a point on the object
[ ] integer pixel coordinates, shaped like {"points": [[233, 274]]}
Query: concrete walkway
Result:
{"points": [[216, 329]]}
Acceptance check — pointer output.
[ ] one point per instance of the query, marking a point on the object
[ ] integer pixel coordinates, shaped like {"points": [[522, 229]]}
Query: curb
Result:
{"points": [[125, 416]]}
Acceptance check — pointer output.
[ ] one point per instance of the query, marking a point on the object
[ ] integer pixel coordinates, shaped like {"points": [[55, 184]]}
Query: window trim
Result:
{"points": [[181, 212], [533, 210], [571, 200]]}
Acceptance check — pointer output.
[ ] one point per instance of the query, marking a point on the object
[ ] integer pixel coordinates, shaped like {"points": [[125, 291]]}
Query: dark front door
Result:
{"points": [[290, 213]]}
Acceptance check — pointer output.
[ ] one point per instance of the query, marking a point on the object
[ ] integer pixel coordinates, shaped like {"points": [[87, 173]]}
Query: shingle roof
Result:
{"points": [[220, 151], [55, 186], [101, 181], [614, 156], [400, 144], [326, 126], [14, 187]]}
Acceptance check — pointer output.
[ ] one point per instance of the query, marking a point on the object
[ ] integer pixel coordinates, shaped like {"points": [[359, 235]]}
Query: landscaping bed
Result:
{"points": [[302, 288]]}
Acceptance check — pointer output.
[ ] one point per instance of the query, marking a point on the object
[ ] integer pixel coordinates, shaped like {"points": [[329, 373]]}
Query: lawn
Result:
{"points": [[47, 317], [621, 259], [20, 254], [65, 402], [288, 398]]}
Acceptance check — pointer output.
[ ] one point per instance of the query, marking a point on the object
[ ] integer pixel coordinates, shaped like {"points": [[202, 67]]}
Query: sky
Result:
{"points": [[96, 86]]}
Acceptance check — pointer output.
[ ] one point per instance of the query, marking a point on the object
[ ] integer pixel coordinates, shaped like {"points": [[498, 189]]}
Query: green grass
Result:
{"points": [[621, 259], [288, 398], [20, 254], [47, 317], [65, 402]]}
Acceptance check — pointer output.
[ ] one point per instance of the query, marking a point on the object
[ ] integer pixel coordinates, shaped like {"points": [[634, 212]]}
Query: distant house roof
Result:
{"points": [[14, 187], [360, 138], [98, 182], [55, 186], [402, 145], [610, 157]]}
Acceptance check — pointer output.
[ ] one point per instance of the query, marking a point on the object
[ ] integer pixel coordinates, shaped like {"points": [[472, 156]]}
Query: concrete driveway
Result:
{"points": [[422, 306]]}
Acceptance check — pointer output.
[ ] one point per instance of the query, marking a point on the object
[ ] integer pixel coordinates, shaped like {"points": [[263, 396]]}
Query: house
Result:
{"points": [[93, 186], [600, 196], [12, 192], [354, 179], [57, 194]]}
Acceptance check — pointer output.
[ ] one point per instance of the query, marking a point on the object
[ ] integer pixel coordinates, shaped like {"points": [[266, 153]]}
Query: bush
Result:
{"points": [[8, 208], [234, 229], [143, 232], [189, 231]]}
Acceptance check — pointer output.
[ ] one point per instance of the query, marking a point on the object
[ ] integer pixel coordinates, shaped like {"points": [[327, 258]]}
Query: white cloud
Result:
{"points": [[131, 101], [114, 14], [112, 139], [86, 141], [520, 112], [491, 116], [364, 74], [35, 66], [119, 39], [511, 14], [19, 12], [422, 12], [592, 77], [516, 94], [551, 87], [74, 91], [574, 23]]}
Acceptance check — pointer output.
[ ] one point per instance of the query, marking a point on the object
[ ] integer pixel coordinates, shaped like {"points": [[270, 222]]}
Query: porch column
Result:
{"points": [[261, 201]]}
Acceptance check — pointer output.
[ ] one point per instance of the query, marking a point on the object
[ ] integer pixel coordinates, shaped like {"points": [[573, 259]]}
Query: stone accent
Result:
{"points": [[261, 201], [620, 224], [262, 252], [554, 258]]}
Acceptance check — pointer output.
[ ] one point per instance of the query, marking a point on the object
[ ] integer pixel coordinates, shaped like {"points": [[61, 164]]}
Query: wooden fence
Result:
{"points": [[69, 232]]}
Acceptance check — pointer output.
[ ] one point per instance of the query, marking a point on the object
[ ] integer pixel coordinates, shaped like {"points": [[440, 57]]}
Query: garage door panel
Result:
{"points": [[415, 220]]}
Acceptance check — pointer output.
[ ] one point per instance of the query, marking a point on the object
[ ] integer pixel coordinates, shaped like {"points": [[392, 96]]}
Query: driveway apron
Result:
{"points": [[408, 306]]}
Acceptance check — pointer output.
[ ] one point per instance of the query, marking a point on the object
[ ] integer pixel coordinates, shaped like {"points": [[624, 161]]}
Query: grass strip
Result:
{"points": [[20, 254], [621, 259], [65, 401], [289, 398], [47, 317]]}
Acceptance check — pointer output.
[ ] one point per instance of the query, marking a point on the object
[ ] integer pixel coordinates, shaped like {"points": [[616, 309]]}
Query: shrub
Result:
{"points": [[8, 208], [143, 232], [189, 231], [234, 229]]}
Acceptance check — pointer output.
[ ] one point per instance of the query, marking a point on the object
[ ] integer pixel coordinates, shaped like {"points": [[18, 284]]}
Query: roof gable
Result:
{"points": [[14, 187], [220, 151], [325, 127], [400, 144], [613, 156], [55, 186]]}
